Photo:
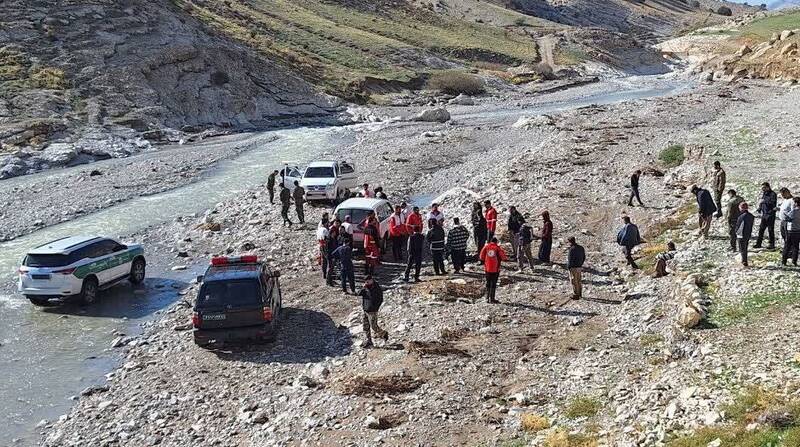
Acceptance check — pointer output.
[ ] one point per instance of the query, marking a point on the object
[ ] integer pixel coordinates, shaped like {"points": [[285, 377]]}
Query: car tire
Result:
{"points": [[89, 291], [37, 301], [138, 271]]}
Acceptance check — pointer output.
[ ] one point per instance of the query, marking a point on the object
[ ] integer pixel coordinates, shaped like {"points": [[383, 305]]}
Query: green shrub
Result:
{"points": [[455, 82], [582, 407], [672, 156]]}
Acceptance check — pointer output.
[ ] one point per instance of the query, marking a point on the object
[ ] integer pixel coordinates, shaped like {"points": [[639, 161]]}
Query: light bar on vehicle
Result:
{"points": [[227, 260]]}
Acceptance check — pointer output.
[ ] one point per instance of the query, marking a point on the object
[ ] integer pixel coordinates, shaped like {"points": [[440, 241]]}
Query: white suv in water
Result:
{"points": [[78, 266], [329, 180]]}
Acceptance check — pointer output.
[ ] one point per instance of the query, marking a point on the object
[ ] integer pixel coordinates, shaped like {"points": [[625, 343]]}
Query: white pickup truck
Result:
{"points": [[329, 180]]}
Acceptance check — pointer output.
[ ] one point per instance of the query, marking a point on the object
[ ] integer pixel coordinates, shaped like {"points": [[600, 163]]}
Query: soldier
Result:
{"points": [[299, 195], [286, 201], [271, 186]]}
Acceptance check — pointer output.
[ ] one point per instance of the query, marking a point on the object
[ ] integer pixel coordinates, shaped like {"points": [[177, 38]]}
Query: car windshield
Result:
{"points": [[49, 260], [319, 172], [241, 292], [356, 216]]}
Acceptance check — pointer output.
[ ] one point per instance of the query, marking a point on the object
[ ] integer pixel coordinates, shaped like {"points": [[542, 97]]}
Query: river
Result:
{"points": [[48, 355]]}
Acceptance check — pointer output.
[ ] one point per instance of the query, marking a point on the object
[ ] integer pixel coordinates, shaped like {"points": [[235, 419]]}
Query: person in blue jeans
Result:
{"points": [[344, 254]]}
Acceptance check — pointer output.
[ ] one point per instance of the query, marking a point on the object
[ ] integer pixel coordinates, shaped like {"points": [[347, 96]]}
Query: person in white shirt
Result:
{"points": [[348, 226], [366, 192], [436, 214], [785, 212]]}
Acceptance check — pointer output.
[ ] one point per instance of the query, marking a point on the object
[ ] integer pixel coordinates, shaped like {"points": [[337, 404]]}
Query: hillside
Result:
{"points": [[108, 79]]}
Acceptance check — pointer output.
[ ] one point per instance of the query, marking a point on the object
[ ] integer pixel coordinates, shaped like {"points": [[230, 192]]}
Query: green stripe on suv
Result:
{"points": [[107, 263]]}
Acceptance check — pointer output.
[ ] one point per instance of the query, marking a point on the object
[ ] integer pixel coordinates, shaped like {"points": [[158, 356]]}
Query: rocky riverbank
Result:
{"points": [[612, 369]]}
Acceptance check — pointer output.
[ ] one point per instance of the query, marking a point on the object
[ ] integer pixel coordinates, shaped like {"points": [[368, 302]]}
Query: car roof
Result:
{"points": [[361, 203], [321, 163], [64, 245], [232, 272]]}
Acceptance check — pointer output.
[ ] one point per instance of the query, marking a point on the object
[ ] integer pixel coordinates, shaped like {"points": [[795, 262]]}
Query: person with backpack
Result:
{"points": [[628, 237], [492, 256], [436, 241], [371, 301], [415, 249], [524, 252], [457, 240]]}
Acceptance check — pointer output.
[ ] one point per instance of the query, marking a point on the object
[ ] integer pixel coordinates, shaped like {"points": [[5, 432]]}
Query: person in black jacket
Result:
{"points": [[628, 237], [416, 245], [436, 240], [515, 221], [457, 240], [478, 227], [767, 207], [271, 186], [286, 200], [635, 188], [744, 230], [524, 252], [371, 300], [344, 253], [576, 256], [705, 209]]}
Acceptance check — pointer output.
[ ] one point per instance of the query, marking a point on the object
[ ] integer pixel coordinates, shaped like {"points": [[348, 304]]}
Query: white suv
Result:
{"points": [[78, 266], [329, 180]]}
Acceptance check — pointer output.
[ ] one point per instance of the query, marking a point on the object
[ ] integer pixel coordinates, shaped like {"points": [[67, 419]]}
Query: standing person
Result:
{"points": [[436, 214], [628, 237], [547, 237], [331, 245], [733, 216], [767, 208], [524, 249], [366, 192], [515, 221], [322, 240], [286, 202], [299, 196], [492, 256], [344, 254], [720, 179], [404, 212], [271, 186], [744, 230], [478, 227], [397, 233], [379, 194], [372, 252], [457, 240], [491, 220], [416, 244], [371, 300], [635, 188], [785, 211], [347, 228], [576, 256], [414, 221], [436, 242], [791, 246], [705, 209]]}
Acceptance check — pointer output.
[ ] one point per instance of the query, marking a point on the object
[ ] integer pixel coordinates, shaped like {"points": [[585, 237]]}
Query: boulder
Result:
{"points": [[744, 50], [788, 48], [462, 100], [437, 115], [464, 288], [785, 34], [529, 122], [58, 154]]}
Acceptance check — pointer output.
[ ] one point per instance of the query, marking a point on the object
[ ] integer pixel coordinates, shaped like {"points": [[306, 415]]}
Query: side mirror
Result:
{"points": [[199, 278], [276, 273]]}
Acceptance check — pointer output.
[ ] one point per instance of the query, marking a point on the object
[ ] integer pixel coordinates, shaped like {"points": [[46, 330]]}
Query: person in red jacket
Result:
{"points": [[491, 220], [372, 252], [397, 232], [492, 256], [414, 221]]}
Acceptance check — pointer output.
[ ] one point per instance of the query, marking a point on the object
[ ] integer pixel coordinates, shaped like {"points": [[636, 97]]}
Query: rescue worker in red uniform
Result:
{"points": [[491, 220], [397, 233], [414, 221], [492, 255]]}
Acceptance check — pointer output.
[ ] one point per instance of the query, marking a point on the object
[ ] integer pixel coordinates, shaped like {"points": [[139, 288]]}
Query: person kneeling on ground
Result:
{"points": [[663, 258], [492, 255], [371, 300]]}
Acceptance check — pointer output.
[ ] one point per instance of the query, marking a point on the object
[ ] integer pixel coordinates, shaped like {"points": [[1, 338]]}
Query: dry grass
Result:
{"points": [[533, 423], [560, 438], [448, 334], [381, 385], [455, 82], [428, 348]]}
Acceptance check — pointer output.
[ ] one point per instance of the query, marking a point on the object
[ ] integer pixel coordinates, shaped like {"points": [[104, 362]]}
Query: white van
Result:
{"points": [[358, 209]]}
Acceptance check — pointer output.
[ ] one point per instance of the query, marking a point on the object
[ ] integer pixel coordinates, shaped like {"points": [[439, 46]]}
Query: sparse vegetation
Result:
{"points": [[672, 155], [47, 78], [762, 29], [726, 312], [455, 82], [560, 438], [778, 415], [582, 407], [650, 340], [534, 423]]}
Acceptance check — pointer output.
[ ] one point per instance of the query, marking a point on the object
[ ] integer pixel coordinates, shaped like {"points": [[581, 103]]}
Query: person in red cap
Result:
{"points": [[491, 220], [492, 256]]}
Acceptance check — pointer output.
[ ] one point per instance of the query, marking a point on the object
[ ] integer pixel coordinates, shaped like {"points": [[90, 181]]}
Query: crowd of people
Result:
{"points": [[412, 235]]}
